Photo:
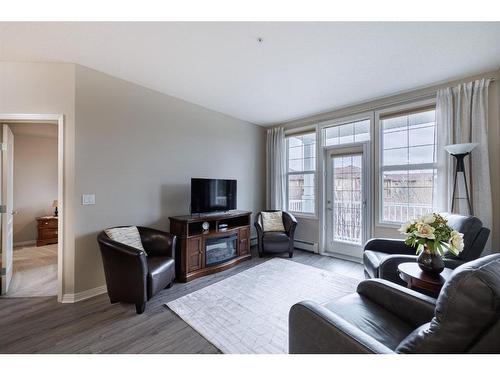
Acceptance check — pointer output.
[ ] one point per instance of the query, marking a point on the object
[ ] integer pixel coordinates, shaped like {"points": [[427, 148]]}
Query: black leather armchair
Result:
{"points": [[133, 277], [382, 256], [276, 242], [383, 317]]}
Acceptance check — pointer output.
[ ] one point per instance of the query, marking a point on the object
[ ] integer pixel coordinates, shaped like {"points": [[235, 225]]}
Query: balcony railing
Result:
{"points": [[400, 213], [393, 212], [347, 217]]}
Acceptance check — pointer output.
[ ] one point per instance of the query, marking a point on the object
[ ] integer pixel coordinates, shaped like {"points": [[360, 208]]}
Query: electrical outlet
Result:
{"points": [[88, 199]]}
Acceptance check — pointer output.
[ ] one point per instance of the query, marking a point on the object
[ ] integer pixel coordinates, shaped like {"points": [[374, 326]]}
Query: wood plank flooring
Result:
{"points": [[41, 325]]}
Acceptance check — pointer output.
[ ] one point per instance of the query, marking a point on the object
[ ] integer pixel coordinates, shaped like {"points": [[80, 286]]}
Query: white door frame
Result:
{"points": [[364, 149], [6, 117], [322, 212]]}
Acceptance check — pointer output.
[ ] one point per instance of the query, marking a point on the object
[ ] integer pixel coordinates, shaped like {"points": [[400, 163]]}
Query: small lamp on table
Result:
{"points": [[54, 204]]}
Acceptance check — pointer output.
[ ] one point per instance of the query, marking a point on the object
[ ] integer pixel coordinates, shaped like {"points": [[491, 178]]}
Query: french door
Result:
{"points": [[347, 206]]}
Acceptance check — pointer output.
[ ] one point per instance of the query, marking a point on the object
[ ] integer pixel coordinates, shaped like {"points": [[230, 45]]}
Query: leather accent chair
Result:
{"points": [[382, 256], [276, 242], [383, 317], [131, 275]]}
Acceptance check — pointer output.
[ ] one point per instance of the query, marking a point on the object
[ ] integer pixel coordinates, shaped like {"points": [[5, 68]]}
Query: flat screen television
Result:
{"points": [[212, 195]]}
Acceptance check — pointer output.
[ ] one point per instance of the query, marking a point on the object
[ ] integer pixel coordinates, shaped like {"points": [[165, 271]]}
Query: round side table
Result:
{"points": [[417, 279]]}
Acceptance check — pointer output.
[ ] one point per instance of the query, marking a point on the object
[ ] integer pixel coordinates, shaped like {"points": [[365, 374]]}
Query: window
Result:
{"points": [[408, 164], [351, 132], [301, 173]]}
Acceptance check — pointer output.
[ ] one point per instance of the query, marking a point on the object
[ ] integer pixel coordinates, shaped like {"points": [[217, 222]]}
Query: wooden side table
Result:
{"points": [[417, 279], [47, 230]]}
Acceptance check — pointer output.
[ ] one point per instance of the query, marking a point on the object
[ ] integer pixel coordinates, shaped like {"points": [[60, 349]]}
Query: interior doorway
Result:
{"points": [[31, 202], [347, 200]]}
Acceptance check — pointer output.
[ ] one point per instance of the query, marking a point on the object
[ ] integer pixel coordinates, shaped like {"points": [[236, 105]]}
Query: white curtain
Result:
{"points": [[462, 117], [276, 169]]}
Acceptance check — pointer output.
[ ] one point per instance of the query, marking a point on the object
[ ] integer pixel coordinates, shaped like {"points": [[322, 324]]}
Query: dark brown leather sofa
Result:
{"points": [[131, 275], [384, 317], [381, 256], [276, 242]]}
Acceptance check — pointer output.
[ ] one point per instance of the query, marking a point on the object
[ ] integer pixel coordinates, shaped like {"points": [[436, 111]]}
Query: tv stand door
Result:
{"points": [[244, 241], [194, 254]]}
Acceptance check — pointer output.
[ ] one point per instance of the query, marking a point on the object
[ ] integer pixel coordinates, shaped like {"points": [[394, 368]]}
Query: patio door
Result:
{"points": [[347, 206]]}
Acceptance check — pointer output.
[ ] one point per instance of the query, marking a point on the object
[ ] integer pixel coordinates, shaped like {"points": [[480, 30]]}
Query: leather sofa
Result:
{"points": [[383, 317], [276, 242], [131, 275], [381, 256]]}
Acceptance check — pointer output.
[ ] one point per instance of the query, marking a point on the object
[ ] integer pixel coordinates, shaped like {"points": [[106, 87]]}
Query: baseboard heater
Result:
{"points": [[306, 245], [299, 244]]}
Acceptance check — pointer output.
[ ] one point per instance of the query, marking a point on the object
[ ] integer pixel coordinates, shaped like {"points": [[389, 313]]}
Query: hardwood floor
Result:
{"points": [[41, 325]]}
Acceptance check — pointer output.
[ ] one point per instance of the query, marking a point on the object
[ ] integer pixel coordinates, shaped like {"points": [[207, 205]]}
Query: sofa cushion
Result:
{"points": [[275, 241], [126, 235], [372, 319], [372, 260], [272, 221]]}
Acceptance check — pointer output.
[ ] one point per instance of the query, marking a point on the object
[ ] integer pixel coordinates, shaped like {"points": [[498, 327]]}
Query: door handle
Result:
{"points": [[15, 212]]}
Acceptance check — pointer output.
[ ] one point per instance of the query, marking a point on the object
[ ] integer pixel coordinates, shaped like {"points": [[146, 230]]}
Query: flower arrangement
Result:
{"points": [[432, 233]]}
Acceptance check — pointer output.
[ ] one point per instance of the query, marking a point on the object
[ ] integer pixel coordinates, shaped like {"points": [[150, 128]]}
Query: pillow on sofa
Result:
{"points": [[272, 221], [127, 235]]}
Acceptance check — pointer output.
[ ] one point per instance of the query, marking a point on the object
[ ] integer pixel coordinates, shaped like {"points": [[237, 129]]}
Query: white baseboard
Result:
{"points": [[306, 245], [86, 294], [24, 243]]}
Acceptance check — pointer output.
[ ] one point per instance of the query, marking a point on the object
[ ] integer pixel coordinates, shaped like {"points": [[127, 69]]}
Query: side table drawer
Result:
{"points": [[47, 233], [47, 224]]}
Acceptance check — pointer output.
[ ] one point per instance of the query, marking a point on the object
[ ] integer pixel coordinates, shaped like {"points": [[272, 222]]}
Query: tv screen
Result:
{"points": [[212, 195]]}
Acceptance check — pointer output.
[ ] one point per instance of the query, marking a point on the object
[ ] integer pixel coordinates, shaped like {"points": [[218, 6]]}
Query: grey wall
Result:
{"points": [[137, 149], [47, 88], [35, 182]]}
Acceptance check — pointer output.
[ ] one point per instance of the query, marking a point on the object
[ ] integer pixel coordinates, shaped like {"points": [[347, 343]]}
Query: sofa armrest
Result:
{"points": [[390, 246], [388, 268], [125, 269], [452, 263], [290, 223], [313, 329], [157, 242], [413, 307], [258, 225]]}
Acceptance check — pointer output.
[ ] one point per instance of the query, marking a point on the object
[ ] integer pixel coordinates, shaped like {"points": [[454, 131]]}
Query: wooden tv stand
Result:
{"points": [[190, 255]]}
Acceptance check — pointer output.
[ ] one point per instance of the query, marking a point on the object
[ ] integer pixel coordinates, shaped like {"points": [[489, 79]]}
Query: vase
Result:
{"points": [[430, 263]]}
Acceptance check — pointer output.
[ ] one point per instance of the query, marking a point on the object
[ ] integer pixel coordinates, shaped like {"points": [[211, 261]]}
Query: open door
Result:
{"points": [[7, 202]]}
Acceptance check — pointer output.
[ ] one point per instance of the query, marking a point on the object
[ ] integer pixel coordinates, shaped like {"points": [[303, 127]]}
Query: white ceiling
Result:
{"points": [[300, 68]]}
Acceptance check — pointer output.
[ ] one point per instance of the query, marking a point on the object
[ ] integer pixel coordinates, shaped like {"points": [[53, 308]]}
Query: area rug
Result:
{"points": [[248, 312]]}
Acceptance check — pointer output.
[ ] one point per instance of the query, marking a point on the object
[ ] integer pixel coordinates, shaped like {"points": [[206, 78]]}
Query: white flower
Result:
{"points": [[425, 231], [457, 240], [428, 219], [404, 228]]}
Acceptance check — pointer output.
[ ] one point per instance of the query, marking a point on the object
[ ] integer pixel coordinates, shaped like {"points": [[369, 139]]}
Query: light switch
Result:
{"points": [[88, 199]]}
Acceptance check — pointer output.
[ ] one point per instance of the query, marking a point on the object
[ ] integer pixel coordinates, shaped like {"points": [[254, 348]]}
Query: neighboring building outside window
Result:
{"points": [[301, 173], [408, 165]]}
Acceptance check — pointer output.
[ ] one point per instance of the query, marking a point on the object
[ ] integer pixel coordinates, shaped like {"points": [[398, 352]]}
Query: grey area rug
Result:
{"points": [[248, 312]]}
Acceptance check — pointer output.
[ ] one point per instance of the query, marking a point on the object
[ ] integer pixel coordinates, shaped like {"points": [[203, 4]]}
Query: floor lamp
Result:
{"points": [[460, 151]]}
